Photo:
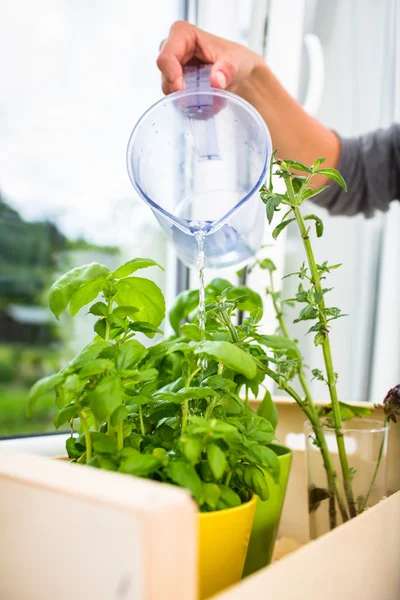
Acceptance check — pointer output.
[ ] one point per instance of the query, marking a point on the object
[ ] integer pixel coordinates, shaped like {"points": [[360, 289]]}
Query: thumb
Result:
{"points": [[222, 74]]}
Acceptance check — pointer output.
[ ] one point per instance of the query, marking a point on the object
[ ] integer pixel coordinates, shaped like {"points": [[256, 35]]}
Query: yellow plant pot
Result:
{"points": [[223, 539]]}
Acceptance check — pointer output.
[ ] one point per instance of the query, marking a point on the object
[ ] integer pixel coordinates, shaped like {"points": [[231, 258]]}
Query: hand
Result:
{"points": [[232, 63]]}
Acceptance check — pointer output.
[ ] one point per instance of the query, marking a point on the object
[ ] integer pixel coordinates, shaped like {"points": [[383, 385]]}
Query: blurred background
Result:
{"points": [[77, 76]]}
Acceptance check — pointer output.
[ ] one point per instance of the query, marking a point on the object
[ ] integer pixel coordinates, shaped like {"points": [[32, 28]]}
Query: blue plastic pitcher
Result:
{"points": [[198, 157]]}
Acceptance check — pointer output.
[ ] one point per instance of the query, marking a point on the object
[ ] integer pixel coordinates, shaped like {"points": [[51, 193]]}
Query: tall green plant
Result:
{"points": [[311, 296]]}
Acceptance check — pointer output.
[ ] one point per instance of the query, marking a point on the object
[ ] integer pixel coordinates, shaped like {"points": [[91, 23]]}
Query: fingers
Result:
{"points": [[175, 51], [222, 73], [172, 74]]}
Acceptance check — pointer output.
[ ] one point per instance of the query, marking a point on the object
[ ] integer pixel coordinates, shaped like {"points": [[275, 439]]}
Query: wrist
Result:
{"points": [[255, 86]]}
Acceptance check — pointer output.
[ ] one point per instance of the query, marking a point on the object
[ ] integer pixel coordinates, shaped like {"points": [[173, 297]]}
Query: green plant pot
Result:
{"points": [[267, 517]]}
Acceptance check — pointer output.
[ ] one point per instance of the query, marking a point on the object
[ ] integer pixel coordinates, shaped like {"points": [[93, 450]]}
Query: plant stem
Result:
{"points": [[120, 435], [378, 464], [88, 440], [210, 408], [319, 434], [185, 415], [108, 323], [228, 477], [185, 405], [285, 333], [230, 326], [140, 411], [326, 349], [82, 458]]}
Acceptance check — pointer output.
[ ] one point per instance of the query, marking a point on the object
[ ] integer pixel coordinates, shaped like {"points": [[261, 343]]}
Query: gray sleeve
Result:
{"points": [[370, 165]]}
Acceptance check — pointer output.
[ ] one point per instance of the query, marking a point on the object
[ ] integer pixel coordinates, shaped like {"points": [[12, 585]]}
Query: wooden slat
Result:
{"points": [[358, 560], [70, 531]]}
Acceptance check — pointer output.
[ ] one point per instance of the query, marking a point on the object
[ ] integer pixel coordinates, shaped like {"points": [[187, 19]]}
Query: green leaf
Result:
{"points": [[185, 303], [251, 301], [95, 367], [229, 355], [279, 342], [197, 393], [217, 286], [318, 163], [145, 327], [106, 463], [139, 400], [228, 498], [144, 295], [141, 465], [217, 460], [88, 353], [192, 332], [72, 450], [281, 227], [100, 328], [147, 375], [212, 495], [358, 411], [85, 294], [167, 396], [319, 226], [334, 175], [62, 289], [255, 428], [319, 338], [307, 313], [256, 315], [42, 387], [99, 309], [106, 397], [310, 193], [217, 382], [133, 265], [119, 415], [129, 354], [260, 484], [184, 475], [267, 264], [191, 448], [298, 166], [267, 409], [160, 453], [347, 411], [68, 412], [261, 455], [105, 446], [271, 204], [125, 311]]}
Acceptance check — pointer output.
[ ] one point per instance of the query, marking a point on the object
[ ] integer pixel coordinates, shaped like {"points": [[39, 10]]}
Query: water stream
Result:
{"points": [[200, 236]]}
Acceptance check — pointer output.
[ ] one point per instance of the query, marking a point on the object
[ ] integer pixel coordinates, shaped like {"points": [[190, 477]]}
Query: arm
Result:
{"points": [[295, 133], [370, 165]]}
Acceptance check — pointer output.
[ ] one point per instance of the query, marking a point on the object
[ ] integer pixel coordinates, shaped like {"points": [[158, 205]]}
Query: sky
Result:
{"points": [[75, 77]]}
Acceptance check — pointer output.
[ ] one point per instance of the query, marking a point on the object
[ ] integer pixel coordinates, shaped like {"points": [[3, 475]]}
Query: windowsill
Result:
{"points": [[42, 445]]}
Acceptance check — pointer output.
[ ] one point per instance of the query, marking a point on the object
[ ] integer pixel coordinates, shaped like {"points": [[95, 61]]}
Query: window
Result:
{"points": [[76, 77]]}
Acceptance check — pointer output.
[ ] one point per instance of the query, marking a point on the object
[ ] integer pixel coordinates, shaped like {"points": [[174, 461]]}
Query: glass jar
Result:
{"points": [[366, 448]]}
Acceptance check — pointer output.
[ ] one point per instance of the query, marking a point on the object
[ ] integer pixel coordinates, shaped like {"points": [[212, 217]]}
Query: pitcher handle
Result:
{"points": [[197, 77], [201, 109]]}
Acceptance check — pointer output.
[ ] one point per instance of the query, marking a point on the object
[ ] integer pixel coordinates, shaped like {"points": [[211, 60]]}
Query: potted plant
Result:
{"points": [[171, 412]]}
